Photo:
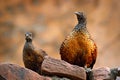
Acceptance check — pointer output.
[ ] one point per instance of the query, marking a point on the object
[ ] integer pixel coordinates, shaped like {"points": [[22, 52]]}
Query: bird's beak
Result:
{"points": [[77, 13]]}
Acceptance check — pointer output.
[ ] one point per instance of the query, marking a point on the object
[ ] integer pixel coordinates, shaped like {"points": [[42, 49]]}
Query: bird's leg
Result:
{"points": [[87, 69], [88, 73]]}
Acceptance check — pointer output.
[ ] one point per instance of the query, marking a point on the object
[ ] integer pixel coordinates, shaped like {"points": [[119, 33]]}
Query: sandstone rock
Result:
{"points": [[102, 73], [55, 67], [15, 72]]}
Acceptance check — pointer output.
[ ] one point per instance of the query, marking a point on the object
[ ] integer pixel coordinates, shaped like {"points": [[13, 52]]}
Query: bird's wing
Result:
{"points": [[94, 55], [40, 52]]}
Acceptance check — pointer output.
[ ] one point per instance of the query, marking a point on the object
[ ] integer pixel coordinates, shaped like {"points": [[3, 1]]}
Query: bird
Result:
{"points": [[79, 48], [32, 56]]}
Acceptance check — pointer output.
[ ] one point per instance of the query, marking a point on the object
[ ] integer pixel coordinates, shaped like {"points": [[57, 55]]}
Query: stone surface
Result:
{"points": [[15, 72], [52, 67], [102, 73], [115, 73], [57, 69]]}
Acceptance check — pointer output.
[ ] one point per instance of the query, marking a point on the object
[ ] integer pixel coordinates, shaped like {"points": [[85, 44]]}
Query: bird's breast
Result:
{"points": [[76, 44]]}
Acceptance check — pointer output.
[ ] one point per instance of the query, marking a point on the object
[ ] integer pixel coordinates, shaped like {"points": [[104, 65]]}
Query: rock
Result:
{"points": [[115, 73], [2, 78], [58, 78], [55, 67], [10, 71], [102, 73]]}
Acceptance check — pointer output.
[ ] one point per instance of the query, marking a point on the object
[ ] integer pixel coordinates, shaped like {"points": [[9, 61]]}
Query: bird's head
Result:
{"points": [[28, 36], [81, 17]]}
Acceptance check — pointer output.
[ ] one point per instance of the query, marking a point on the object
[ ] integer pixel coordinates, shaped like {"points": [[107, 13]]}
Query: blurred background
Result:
{"points": [[51, 21]]}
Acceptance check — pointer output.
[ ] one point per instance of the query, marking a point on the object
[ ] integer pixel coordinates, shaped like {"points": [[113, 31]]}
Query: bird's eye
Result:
{"points": [[30, 34]]}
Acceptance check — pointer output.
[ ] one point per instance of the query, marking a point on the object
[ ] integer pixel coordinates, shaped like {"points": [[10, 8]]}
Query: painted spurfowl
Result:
{"points": [[79, 48], [32, 57]]}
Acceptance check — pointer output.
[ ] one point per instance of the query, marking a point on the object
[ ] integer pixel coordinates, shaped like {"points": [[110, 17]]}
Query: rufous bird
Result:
{"points": [[79, 48]]}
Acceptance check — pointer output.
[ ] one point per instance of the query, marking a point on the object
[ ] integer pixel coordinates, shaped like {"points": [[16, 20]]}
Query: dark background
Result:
{"points": [[51, 20]]}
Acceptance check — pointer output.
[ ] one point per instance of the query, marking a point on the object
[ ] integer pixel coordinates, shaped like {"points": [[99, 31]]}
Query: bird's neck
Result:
{"points": [[29, 45], [81, 20], [28, 40], [80, 27]]}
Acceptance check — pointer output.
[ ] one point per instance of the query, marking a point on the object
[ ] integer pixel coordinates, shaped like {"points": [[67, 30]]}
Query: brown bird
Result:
{"points": [[32, 57], [78, 48]]}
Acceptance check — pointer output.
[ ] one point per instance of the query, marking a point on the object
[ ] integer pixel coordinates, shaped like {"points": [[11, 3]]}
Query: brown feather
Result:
{"points": [[32, 57]]}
